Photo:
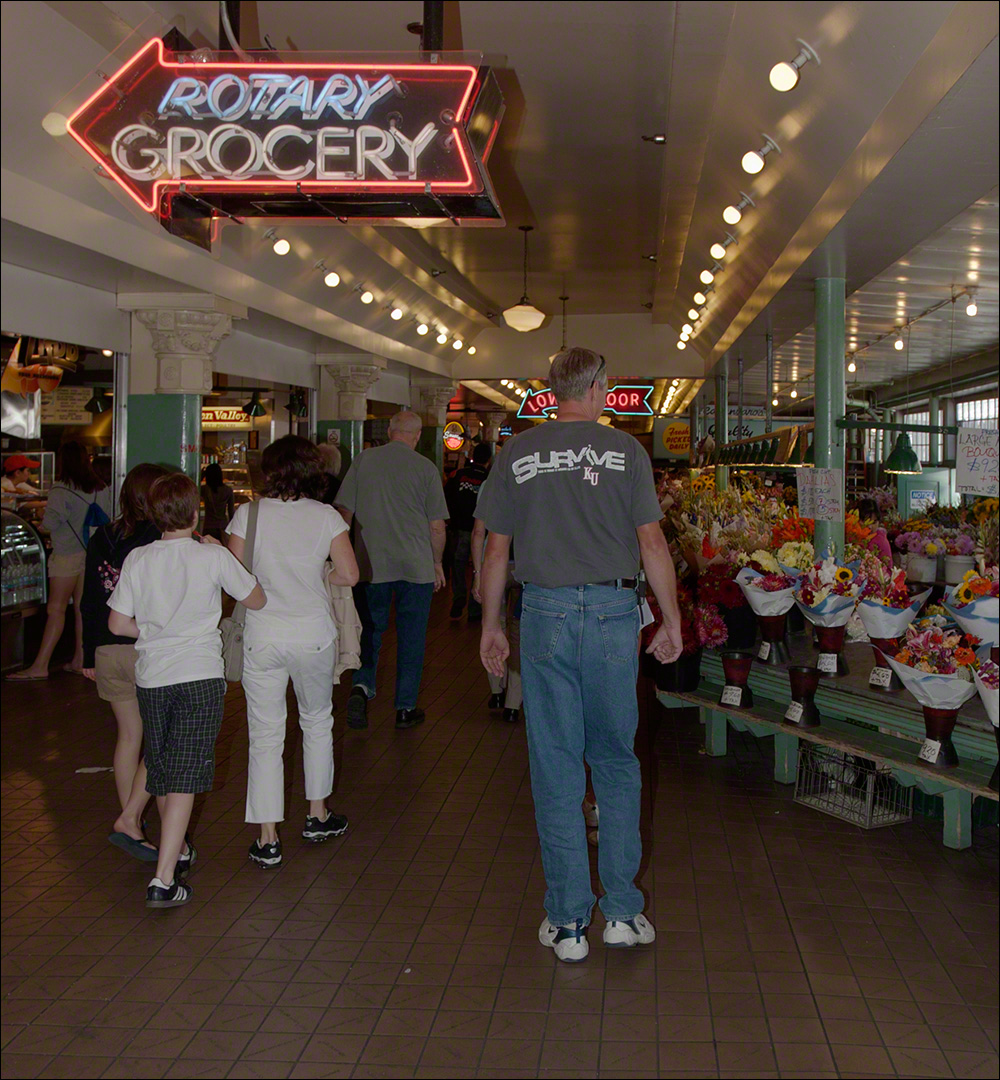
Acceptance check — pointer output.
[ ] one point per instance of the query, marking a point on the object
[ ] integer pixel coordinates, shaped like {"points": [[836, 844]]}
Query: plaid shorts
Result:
{"points": [[180, 724]]}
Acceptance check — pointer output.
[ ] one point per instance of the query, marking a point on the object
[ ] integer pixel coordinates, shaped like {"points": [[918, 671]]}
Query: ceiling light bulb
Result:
{"points": [[774, 401], [367, 296], [471, 350], [699, 298], [852, 367], [752, 162], [681, 345], [396, 314], [107, 352], [784, 76], [281, 246], [442, 338], [706, 277], [732, 215], [686, 328], [422, 328], [794, 394], [693, 314], [458, 344], [685, 337], [972, 309], [717, 250], [55, 124], [332, 279], [898, 343]]}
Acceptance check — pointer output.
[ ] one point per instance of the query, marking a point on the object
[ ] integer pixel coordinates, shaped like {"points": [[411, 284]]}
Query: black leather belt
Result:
{"points": [[618, 583]]}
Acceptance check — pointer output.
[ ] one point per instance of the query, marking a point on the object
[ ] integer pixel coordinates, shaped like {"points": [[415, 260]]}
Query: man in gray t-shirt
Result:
{"points": [[578, 501], [396, 499]]}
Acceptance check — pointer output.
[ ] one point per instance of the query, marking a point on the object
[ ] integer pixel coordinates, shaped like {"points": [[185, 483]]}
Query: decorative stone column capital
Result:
{"points": [[495, 419], [184, 342], [345, 380], [432, 400], [354, 378]]}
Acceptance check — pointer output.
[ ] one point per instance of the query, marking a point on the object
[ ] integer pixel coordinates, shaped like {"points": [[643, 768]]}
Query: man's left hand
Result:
{"points": [[439, 579], [493, 651], [666, 645]]}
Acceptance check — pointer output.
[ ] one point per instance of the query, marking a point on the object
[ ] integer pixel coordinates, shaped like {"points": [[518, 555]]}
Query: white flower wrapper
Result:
{"points": [[990, 699], [833, 611], [764, 603], [885, 622], [935, 691], [981, 617], [790, 571]]}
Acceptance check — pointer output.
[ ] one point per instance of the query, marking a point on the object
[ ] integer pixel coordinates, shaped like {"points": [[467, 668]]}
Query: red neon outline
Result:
{"points": [[160, 186], [607, 408]]}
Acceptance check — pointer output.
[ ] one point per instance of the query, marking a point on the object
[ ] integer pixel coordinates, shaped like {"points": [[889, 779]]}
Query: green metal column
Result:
{"points": [[934, 410], [831, 396], [722, 419], [165, 429], [351, 440]]}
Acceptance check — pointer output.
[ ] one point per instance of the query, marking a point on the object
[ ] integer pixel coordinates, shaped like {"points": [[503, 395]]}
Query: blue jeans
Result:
{"points": [[579, 665], [413, 608]]}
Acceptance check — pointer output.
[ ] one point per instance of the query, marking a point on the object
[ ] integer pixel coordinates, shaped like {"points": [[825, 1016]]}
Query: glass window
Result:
{"points": [[979, 412], [920, 440]]}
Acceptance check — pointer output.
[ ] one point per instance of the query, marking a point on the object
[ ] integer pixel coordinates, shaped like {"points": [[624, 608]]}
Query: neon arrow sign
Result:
{"points": [[621, 400], [163, 126]]}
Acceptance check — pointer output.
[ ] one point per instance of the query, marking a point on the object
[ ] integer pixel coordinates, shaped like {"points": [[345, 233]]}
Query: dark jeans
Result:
{"points": [[459, 572], [413, 608]]}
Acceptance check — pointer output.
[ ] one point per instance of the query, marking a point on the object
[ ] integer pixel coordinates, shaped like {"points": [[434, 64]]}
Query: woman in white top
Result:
{"points": [[70, 516], [294, 637]]}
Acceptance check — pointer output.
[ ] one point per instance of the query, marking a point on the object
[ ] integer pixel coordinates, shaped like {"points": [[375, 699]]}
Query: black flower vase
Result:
{"points": [[741, 626], [680, 677]]}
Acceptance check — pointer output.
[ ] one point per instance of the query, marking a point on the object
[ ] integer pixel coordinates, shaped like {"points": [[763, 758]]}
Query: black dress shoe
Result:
{"points": [[512, 715], [407, 718], [496, 702], [456, 611], [357, 709]]}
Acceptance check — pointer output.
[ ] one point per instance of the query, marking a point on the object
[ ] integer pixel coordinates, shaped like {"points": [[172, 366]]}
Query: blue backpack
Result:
{"points": [[94, 519]]}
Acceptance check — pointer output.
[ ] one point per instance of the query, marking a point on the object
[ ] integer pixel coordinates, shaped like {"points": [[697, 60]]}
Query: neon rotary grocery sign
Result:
{"points": [[621, 400], [165, 124]]}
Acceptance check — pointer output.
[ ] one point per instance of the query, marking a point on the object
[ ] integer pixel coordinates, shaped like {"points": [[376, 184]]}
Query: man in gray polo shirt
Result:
{"points": [[397, 500], [578, 499]]}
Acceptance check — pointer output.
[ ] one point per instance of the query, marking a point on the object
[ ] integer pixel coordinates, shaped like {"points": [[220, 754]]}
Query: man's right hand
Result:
{"points": [[439, 579], [666, 645], [493, 651]]}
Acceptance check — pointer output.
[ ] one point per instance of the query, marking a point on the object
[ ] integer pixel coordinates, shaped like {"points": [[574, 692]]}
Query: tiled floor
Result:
{"points": [[788, 944]]}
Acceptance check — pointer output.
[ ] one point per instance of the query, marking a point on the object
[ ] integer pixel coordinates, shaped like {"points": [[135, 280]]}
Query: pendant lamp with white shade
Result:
{"points": [[524, 316]]}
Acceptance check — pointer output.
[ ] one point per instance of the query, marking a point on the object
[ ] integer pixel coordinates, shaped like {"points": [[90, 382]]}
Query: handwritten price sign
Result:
{"points": [[821, 493], [978, 461]]}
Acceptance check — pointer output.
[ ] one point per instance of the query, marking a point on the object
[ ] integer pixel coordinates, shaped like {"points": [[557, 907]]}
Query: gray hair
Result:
{"points": [[332, 460], [405, 422], [573, 373]]}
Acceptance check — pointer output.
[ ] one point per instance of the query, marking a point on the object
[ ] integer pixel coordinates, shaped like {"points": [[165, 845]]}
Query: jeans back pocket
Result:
{"points": [[540, 632], [620, 635]]}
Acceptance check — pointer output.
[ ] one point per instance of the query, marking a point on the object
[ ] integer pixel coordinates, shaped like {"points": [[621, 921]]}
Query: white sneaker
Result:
{"points": [[625, 934], [569, 940], [591, 815]]}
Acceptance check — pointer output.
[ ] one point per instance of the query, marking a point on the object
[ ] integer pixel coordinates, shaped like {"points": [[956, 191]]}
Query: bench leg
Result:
{"points": [[716, 727], [957, 818], [786, 757]]}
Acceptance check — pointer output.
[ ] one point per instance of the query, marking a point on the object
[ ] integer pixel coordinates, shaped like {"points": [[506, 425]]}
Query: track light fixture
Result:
{"points": [[718, 251], [396, 314], [687, 328], [708, 276], [331, 279], [659, 138], [107, 352], [471, 350], [794, 394], [972, 308], [733, 214], [784, 76], [650, 258], [279, 245], [774, 401], [899, 344], [442, 338], [754, 160], [422, 328], [367, 296], [693, 313], [458, 344], [681, 344]]}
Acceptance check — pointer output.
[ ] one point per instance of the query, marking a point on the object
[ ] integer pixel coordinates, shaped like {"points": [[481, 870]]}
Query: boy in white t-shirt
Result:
{"points": [[168, 596]]}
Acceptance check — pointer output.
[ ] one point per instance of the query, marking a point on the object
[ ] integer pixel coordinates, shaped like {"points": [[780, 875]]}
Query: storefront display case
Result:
{"points": [[24, 581]]}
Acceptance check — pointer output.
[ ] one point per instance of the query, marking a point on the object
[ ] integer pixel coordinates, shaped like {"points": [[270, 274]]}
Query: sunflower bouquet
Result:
{"points": [[886, 607], [796, 556], [828, 592], [974, 603]]}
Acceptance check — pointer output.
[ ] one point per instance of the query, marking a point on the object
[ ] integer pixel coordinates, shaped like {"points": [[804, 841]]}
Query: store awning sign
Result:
{"points": [[170, 124], [621, 401]]}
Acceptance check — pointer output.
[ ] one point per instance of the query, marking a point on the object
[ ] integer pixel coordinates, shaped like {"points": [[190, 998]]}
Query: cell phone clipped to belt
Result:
{"points": [[640, 585], [645, 612]]}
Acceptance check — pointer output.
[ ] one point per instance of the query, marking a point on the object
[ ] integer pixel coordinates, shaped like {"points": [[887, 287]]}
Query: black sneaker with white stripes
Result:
{"points": [[175, 894], [317, 831], [266, 855]]}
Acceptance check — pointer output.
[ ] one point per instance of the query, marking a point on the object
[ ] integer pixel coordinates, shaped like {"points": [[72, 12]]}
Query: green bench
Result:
{"points": [[887, 728]]}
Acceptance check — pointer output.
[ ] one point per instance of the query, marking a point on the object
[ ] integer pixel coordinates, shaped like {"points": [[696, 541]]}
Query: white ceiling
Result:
{"points": [[883, 144]]}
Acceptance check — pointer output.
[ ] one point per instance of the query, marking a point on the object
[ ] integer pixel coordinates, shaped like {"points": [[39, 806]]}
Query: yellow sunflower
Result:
{"points": [[843, 574], [964, 594]]}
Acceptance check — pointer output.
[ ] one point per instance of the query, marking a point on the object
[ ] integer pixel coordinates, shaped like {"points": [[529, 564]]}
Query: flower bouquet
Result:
{"points": [[959, 554], [920, 550], [771, 596], [701, 628], [988, 683], [937, 667], [717, 588], [826, 595], [974, 603], [886, 609], [795, 557]]}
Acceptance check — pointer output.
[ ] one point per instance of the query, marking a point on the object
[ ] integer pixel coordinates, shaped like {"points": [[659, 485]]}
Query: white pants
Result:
{"points": [[267, 668]]}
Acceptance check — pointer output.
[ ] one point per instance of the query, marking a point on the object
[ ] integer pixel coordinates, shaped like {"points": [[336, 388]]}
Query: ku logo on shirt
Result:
{"points": [[585, 460]]}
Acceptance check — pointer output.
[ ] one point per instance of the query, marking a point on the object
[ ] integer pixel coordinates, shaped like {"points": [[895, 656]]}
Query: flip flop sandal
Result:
{"points": [[136, 848], [19, 676]]}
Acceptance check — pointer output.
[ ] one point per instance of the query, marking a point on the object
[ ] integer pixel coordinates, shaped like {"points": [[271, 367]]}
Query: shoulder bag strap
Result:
{"points": [[240, 612]]}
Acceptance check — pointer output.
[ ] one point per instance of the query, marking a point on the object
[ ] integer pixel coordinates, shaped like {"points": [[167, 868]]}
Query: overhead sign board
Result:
{"points": [[621, 401], [280, 137], [227, 417]]}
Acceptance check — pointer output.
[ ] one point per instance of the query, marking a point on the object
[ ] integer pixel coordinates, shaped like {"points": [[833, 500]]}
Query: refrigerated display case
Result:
{"points": [[24, 582]]}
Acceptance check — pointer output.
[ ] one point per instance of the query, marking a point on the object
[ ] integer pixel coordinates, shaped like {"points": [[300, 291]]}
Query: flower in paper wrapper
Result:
{"points": [[965, 657], [710, 629], [764, 561], [989, 675], [730, 594], [964, 594], [844, 574], [975, 604], [988, 684]]}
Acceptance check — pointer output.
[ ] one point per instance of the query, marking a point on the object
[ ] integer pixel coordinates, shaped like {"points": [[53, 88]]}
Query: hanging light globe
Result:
{"points": [[524, 316]]}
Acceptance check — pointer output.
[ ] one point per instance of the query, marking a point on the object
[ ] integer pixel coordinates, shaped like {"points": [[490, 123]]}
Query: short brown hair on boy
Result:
{"points": [[174, 502]]}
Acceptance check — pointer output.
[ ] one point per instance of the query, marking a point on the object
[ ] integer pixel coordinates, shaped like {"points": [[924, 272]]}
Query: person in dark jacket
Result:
{"points": [[219, 500], [110, 661], [462, 492]]}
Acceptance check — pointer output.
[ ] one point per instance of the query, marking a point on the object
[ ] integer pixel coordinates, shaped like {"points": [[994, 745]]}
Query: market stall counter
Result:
{"points": [[872, 726]]}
